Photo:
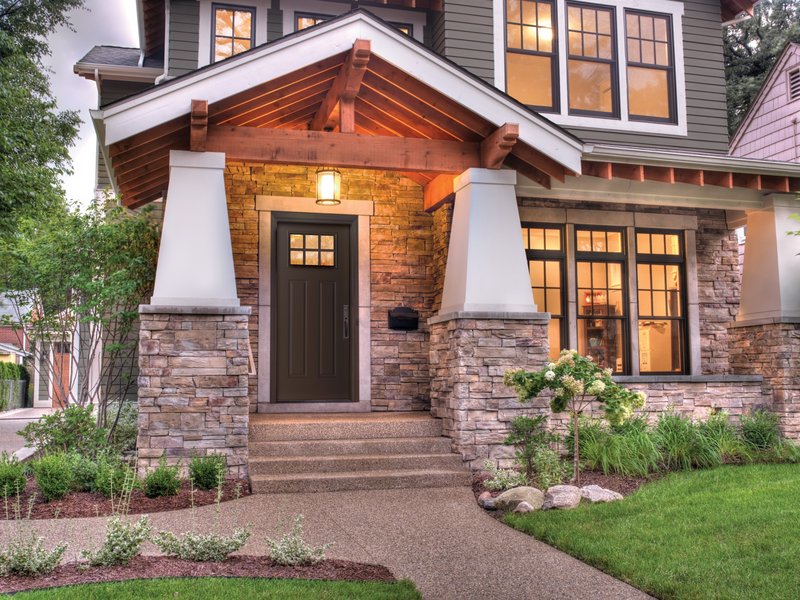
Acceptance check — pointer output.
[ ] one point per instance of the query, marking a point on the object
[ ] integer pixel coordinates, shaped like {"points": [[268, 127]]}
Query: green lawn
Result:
{"points": [[215, 587], [727, 533]]}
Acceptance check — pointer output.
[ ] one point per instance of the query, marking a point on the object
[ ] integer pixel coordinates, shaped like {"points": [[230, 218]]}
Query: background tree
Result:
{"points": [[751, 48], [34, 135]]}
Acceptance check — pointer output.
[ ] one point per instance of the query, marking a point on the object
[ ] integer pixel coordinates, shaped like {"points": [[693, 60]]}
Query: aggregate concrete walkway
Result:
{"points": [[12, 421], [437, 537]]}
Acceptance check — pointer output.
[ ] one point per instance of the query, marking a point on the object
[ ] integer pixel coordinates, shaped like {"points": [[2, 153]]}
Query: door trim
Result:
{"points": [[360, 240]]}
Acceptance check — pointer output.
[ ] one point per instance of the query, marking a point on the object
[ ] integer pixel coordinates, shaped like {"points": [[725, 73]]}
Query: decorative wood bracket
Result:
{"points": [[344, 91], [498, 145], [198, 130]]}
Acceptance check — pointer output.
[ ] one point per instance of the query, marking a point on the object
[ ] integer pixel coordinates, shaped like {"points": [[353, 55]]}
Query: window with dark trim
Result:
{"points": [[660, 273], [532, 53], [650, 67], [544, 248], [602, 305], [234, 30], [306, 20], [592, 77]]}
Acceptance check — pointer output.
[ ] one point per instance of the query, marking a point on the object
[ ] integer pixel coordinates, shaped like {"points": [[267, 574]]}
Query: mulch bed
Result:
{"points": [[623, 484], [85, 504], [153, 567]]}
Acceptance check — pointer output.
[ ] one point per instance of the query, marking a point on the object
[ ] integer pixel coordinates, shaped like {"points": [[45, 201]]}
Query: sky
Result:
{"points": [[102, 22]]}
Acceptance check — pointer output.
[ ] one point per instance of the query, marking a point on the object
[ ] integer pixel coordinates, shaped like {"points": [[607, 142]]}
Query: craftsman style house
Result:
{"points": [[380, 211]]}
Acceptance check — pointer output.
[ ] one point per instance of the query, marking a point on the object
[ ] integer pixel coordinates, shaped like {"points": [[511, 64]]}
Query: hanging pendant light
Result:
{"points": [[329, 184]]}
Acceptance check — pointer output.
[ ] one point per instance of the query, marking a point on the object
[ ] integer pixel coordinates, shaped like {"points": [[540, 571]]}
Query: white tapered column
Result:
{"points": [[486, 266], [195, 260], [771, 262]]}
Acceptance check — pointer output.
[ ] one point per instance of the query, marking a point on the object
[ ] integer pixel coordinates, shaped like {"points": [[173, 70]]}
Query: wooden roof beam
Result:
{"points": [[596, 169], [439, 192], [718, 178], [198, 126], [690, 176], [347, 150], [776, 183], [540, 162], [661, 174], [344, 91], [626, 171], [747, 180], [498, 145]]}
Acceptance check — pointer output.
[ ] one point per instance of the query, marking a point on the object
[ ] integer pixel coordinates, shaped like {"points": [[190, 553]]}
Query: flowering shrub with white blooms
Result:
{"points": [[26, 555], [123, 542], [201, 547], [292, 549], [576, 381]]}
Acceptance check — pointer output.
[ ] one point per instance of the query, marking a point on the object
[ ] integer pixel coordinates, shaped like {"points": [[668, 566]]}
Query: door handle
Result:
{"points": [[346, 322]]}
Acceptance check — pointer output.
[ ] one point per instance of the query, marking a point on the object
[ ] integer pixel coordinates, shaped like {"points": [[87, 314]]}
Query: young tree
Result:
{"points": [[576, 381], [80, 275], [34, 135], [751, 48]]}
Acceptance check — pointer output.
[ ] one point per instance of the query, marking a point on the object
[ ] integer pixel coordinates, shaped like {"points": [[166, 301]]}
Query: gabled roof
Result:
{"points": [[119, 56], [408, 91], [774, 74]]}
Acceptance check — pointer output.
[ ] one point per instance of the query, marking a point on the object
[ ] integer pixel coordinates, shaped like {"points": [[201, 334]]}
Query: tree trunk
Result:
{"points": [[575, 449]]}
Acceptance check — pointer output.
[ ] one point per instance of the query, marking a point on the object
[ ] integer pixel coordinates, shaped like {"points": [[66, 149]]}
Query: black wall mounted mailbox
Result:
{"points": [[403, 318]]}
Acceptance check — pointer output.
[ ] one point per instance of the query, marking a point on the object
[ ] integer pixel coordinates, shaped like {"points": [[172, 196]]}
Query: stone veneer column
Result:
{"points": [[193, 366], [469, 355], [765, 339]]}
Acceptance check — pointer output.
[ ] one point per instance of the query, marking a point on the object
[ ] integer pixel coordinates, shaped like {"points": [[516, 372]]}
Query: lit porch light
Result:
{"points": [[329, 184]]}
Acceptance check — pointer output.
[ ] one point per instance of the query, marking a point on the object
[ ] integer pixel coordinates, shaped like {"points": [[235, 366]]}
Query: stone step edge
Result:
{"points": [[360, 474], [411, 438], [335, 457]]}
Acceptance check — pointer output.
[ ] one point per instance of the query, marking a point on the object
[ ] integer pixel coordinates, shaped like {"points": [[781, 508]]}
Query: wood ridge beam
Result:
{"points": [[344, 90], [346, 150], [498, 145], [198, 126]]}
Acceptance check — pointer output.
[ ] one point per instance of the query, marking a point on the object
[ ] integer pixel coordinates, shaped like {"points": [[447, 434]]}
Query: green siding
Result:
{"points": [[463, 33], [184, 36]]}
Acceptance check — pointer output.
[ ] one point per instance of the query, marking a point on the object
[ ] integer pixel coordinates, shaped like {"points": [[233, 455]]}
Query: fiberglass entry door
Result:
{"points": [[313, 314]]}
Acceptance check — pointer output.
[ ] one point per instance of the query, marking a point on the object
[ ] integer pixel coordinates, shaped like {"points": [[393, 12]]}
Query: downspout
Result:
{"points": [[796, 140], [163, 77]]}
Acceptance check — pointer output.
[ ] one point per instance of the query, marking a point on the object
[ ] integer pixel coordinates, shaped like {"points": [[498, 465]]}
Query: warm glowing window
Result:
{"points": [[544, 248], [651, 78], [234, 29], [531, 57], [662, 325], [591, 68], [306, 20], [312, 250], [602, 305]]}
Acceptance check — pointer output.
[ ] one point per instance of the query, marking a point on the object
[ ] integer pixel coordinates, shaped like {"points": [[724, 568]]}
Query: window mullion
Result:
{"points": [[633, 302]]}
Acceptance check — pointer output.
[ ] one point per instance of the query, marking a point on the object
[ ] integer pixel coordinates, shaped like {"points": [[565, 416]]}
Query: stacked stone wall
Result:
{"points": [[772, 350], [193, 366]]}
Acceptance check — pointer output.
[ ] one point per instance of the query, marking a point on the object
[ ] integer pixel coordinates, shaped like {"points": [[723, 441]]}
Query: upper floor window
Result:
{"points": [[651, 75], [234, 30], [531, 57], [591, 67], [306, 20]]}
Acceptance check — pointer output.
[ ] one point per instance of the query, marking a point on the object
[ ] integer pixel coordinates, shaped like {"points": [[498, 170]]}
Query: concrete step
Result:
{"points": [[358, 480], [344, 429], [351, 463], [316, 448]]}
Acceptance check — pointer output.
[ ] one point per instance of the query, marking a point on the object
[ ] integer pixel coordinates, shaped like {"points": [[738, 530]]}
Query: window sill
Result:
{"points": [[688, 379]]}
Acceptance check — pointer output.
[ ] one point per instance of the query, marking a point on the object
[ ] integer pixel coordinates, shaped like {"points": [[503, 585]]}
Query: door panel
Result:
{"points": [[313, 350]]}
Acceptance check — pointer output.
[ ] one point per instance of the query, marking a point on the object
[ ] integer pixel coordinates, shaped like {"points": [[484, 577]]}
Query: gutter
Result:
{"points": [[115, 72], [688, 160]]}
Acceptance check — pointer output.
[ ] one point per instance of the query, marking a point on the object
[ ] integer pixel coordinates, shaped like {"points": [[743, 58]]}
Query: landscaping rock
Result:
{"points": [[562, 497], [509, 499], [523, 507], [484, 497], [489, 504], [595, 493]]}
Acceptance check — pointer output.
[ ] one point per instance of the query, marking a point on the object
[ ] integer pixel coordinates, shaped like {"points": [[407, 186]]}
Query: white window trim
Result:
{"points": [[415, 18], [668, 7], [204, 42]]}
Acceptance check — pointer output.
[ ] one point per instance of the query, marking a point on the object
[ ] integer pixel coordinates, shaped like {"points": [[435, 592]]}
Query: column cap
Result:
{"points": [[197, 160], [485, 176]]}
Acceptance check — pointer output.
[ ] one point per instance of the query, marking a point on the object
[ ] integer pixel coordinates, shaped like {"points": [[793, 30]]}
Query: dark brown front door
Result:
{"points": [[313, 312]]}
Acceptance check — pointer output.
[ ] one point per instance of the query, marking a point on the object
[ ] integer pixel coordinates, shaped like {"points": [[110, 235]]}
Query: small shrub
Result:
{"points": [[123, 542], [123, 435], [502, 479], [207, 472], [721, 433], [27, 555], [201, 547], [71, 429], [682, 444], [53, 475], [114, 477], [12, 475], [549, 468], [528, 435], [84, 472], [163, 481], [292, 550], [760, 430]]}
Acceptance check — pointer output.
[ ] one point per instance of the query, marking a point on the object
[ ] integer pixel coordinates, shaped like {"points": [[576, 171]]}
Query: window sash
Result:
{"points": [[669, 68], [559, 256], [233, 38]]}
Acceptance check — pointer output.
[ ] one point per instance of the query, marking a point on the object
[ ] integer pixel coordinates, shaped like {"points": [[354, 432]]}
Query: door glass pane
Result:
{"points": [[643, 276], [658, 277], [553, 273], [537, 273], [553, 298], [296, 257], [327, 259], [537, 239], [614, 241], [584, 240], [599, 241], [326, 242], [643, 243], [312, 241], [295, 240], [584, 274], [645, 304]]}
